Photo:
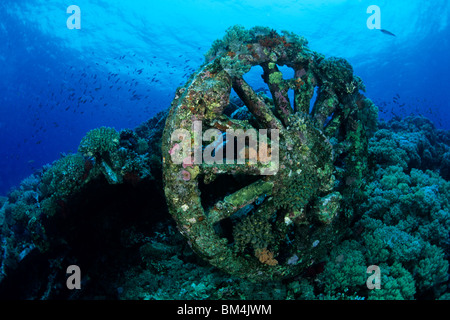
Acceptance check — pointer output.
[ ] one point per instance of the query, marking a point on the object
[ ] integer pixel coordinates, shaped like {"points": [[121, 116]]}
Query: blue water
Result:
{"points": [[126, 61]]}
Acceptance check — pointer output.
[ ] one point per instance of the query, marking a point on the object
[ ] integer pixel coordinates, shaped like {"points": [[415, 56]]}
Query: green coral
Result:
{"points": [[368, 113], [118, 155], [431, 270], [233, 66], [388, 243], [416, 203], [405, 220], [396, 283], [339, 74], [345, 271], [99, 142], [254, 232], [64, 177], [408, 222], [234, 37], [300, 290], [275, 77], [413, 142]]}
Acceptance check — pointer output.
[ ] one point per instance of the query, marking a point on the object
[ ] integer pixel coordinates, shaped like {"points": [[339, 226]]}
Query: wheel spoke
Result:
{"points": [[325, 105], [303, 90], [256, 105], [239, 199], [233, 169], [224, 123], [332, 126], [278, 88]]}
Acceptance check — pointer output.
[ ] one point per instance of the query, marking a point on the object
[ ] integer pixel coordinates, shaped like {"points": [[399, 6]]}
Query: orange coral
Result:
{"points": [[266, 256]]}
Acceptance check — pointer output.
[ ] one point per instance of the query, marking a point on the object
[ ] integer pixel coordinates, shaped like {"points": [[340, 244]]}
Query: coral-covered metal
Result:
{"points": [[287, 215]]}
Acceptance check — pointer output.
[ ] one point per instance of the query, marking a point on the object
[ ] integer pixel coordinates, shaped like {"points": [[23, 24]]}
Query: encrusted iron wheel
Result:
{"points": [[293, 210]]}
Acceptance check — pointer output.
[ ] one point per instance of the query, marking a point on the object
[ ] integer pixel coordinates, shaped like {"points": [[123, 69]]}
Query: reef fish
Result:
{"points": [[387, 32]]}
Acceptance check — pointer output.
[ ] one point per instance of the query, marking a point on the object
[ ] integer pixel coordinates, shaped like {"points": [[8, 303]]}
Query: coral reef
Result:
{"points": [[413, 142], [37, 217], [402, 226], [351, 194], [405, 219]]}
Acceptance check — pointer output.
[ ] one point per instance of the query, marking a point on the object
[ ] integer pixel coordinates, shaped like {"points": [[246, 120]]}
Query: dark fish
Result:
{"points": [[387, 32]]}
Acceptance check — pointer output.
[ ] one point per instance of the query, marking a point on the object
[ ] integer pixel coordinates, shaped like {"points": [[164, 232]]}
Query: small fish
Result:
{"points": [[387, 32]]}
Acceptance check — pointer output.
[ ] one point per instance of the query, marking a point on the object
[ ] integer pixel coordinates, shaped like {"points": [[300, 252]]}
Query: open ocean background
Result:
{"points": [[128, 58]]}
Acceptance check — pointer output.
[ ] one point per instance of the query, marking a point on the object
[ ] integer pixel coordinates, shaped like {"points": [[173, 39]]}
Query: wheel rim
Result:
{"points": [[317, 158]]}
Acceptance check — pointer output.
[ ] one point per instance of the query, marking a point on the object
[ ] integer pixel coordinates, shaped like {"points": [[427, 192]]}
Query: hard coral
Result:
{"points": [[254, 232], [98, 142], [266, 256], [411, 143]]}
